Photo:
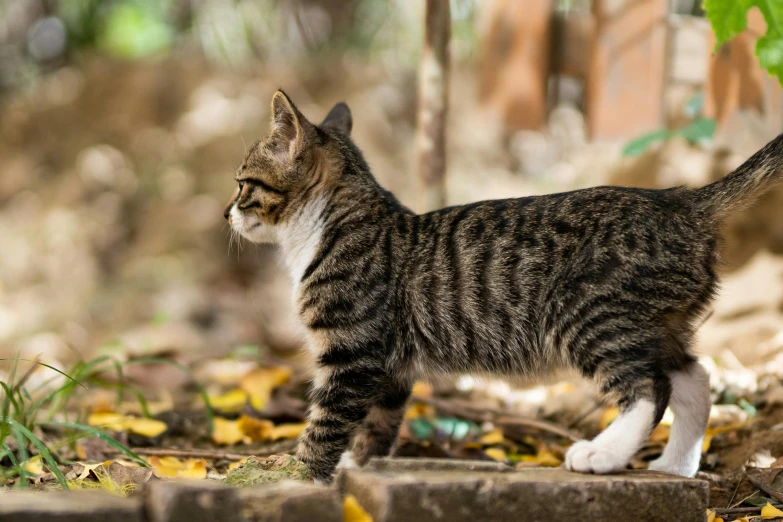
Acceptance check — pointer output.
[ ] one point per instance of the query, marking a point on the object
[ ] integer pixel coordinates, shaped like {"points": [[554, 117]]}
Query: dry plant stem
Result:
{"points": [[207, 454], [766, 488], [433, 105], [736, 511], [487, 414]]}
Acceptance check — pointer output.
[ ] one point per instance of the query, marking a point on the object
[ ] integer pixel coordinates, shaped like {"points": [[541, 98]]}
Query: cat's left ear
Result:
{"points": [[290, 128], [339, 119]]}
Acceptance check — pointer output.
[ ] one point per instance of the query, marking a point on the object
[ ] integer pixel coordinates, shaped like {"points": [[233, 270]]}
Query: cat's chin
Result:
{"points": [[261, 234]]}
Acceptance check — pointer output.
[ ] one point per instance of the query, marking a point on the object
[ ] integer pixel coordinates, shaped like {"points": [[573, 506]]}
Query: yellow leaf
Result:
{"points": [[660, 433], [418, 409], [493, 437], [287, 431], [353, 511], [548, 459], [258, 384], [235, 465], [233, 401], [171, 467], [496, 454], [770, 511], [711, 432], [227, 432], [608, 416], [145, 427], [255, 429], [34, 466], [87, 468], [422, 389], [108, 420]]}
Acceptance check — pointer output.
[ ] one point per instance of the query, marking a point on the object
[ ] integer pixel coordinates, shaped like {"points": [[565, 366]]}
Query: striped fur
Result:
{"points": [[607, 281]]}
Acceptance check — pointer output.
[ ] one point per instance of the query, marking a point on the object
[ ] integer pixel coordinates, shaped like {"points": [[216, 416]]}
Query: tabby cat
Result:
{"points": [[608, 281]]}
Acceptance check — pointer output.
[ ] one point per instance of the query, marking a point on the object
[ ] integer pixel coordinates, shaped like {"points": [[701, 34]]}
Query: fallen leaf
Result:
{"points": [[143, 426], [660, 433], [496, 454], [422, 389], [608, 415], [235, 465], [287, 431], [259, 383], [108, 420], [146, 427], [770, 511], [493, 437], [34, 466], [353, 511], [419, 409], [83, 470], [710, 515], [226, 432], [254, 429], [233, 401], [171, 467], [712, 432], [125, 476]]}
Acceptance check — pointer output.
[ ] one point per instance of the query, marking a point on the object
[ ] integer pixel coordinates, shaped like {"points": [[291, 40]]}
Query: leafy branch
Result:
{"points": [[730, 17]]}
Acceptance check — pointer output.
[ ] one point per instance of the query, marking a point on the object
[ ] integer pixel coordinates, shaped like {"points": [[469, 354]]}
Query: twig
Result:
{"points": [[735, 511], [739, 482], [765, 488], [206, 454], [496, 416]]}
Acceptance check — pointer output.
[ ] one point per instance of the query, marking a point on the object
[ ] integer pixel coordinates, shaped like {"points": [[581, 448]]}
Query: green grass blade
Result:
{"points": [[104, 437], [46, 365], [23, 456], [42, 449]]}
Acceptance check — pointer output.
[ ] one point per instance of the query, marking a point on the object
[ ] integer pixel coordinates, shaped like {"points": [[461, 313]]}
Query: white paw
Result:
{"points": [[346, 461], [682, 468], [588, 457]]}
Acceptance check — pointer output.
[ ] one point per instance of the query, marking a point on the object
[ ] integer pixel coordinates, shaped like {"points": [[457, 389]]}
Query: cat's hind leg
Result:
{"points": [[690, 403], [378, 433], [613, 448]]}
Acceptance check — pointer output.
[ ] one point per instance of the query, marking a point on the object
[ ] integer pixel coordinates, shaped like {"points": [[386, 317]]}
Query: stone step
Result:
{"points": [[73, 506], [408, 491]]}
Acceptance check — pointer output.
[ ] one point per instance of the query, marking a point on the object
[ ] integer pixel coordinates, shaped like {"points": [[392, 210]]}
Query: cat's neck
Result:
{"points": [[301, 237]]}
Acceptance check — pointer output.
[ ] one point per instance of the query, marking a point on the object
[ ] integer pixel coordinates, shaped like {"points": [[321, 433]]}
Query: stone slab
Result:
{"points": [[73, 506], [190, 501], [533, 495], [290, 501]]}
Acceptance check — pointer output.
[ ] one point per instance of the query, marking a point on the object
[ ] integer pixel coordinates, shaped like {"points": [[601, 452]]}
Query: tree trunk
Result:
{"points": [[433, 105]]}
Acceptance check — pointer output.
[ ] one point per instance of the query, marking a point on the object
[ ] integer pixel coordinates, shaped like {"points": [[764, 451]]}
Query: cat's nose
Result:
{"points": [[227, 213]]}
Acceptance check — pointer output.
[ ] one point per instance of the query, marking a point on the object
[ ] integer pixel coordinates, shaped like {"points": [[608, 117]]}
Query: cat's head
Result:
{"points": [[297, 164]]}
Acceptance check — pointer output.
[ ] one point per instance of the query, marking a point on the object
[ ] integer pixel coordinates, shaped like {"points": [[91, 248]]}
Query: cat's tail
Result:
{"points": [[749, 181]]}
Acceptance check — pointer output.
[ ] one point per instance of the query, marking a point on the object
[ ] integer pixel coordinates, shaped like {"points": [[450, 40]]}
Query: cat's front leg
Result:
{"points": [[340, 399]]}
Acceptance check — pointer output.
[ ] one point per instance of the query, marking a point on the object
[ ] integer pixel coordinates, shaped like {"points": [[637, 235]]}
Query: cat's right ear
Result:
{"points": [[339, 119]]}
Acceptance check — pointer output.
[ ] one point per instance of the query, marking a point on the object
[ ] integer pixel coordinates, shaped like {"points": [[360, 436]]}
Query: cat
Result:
{"points": [[607, 281]]}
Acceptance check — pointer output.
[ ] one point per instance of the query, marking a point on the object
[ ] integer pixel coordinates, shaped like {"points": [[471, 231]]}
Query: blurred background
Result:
{"points": [[122, 121]]}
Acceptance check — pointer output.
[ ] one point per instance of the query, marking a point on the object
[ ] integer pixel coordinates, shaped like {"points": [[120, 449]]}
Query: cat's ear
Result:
{"points": [[290, 129], [339, 119]]}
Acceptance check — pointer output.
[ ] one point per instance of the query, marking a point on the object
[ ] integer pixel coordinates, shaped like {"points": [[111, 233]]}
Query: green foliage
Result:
{"points": [[730, 17]]}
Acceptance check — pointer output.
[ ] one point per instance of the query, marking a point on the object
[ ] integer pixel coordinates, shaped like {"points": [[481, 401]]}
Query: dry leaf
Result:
{"points": [[422, 389], [496, 454], [660, 433], [254, 429], [233, 401], [493, 437], [227, 432], [34, 466], [235, 465], [419, 409], [770, 511], [145, 427], [353, 511], [83, 470], [171, 467], [712, 432], [608, 415], [259, 384], [710, 515], [108, 420], [287, 431]]}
